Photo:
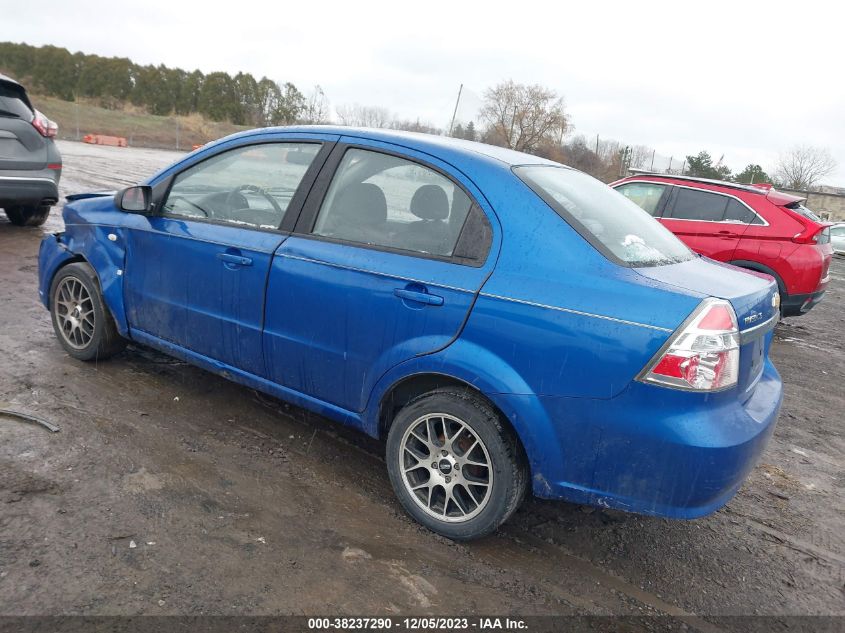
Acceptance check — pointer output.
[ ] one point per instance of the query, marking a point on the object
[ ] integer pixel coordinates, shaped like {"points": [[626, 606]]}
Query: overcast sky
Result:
{"points": [[743, 79]]}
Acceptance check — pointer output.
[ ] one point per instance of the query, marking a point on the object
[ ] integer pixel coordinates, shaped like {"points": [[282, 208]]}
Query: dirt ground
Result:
{"points": [[171, 491]]}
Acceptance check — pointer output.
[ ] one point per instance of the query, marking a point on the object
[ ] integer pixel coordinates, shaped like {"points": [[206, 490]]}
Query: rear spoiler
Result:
{"points": [[14, 85], [782, 199], [777, 197]]}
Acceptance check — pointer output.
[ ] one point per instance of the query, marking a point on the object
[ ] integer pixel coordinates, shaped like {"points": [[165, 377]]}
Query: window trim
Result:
{"points": [[311, 209], [297, 201], [718, 193]]}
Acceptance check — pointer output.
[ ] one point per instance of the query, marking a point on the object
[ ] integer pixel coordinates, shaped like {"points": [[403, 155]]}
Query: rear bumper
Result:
{"points": [[41, 189], [657, 451], [798, 304]]}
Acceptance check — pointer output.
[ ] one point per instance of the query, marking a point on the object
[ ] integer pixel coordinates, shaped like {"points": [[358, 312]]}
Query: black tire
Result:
{"points": [[508, 466], [96, 337], [28, 215]]}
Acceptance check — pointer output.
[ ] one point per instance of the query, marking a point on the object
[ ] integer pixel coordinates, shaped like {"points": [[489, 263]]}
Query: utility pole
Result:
{"points": [[652, 160], [177, 134], [455, 112]]}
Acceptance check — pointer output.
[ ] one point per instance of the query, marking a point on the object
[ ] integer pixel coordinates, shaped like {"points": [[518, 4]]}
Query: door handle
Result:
{"points": [[727, 234], [238, 260], [419, 297]]}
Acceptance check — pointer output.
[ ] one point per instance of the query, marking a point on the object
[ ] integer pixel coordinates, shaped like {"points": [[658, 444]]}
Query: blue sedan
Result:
{"points": [[508, 324]]}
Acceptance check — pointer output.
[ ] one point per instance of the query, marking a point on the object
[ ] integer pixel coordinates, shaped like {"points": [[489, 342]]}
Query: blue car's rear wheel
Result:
{"points": [[454, 465], [81, 321]]}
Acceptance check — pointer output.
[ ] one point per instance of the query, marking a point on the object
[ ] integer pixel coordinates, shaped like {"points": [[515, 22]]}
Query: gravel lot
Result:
{"points": [[239, 504]]}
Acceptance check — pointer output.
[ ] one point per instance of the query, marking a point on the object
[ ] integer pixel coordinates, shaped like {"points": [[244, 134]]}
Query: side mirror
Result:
{"points": [[138, 199]]}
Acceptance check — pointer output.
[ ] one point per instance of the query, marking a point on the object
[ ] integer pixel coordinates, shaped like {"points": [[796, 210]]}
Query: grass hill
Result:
{"points": [[139, 128]]}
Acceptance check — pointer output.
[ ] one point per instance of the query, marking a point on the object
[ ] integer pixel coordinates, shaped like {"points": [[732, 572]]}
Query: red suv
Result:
{"points": [[750, 226]]}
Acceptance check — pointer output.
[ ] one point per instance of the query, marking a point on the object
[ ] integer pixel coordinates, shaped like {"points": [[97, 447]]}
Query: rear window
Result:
{"points": [[804, 211], [617, 227], [13, 102]]}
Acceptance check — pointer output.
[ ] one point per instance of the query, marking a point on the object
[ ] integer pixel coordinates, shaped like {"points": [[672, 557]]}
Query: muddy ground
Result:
{"points": [[238, 504]]}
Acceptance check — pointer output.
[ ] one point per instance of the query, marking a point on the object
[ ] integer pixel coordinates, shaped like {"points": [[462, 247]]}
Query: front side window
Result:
{"points": [[645, 195], [606, 218], [694, 204], [388, 201], [250, 186]]}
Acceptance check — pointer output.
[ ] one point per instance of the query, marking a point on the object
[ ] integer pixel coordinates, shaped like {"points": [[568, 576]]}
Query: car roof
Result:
{"points": [[708, 181], [429, 143], [763, 189]]}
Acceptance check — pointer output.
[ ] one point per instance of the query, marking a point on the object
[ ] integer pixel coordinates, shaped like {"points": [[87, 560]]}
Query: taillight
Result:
{"points": [[812, 234], [703, 355], [45, 126]]}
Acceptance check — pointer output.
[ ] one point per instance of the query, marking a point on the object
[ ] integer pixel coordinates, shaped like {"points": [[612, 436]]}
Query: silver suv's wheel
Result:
{"points": [[455, 466], [28, 215]]}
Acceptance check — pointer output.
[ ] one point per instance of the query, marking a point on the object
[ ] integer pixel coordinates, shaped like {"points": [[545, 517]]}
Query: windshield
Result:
{"points": [[617, 227]]}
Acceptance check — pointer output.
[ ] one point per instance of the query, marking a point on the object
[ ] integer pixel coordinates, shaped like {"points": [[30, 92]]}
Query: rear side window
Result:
{"points": [[645, 195], [738, 212], [13, 102], [384, 200], [617, 227], [693, 204]]}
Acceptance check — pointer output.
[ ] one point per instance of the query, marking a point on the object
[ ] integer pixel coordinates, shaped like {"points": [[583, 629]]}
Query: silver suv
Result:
{"points": [[30, 163]]}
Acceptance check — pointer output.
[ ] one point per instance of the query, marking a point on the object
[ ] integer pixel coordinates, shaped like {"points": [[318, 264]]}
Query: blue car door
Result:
{"points": [[385, 263], [196, 272]]}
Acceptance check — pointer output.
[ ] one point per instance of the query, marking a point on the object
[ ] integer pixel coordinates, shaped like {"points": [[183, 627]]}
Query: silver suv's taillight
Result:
{"points": [[703, 354], [45, 126]]}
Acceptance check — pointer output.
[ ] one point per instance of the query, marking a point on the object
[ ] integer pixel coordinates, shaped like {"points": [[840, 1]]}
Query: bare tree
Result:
{"points": [[523, 117], [316, 109], [408, 125], [803, 166], [640, 156], [363, 116]]}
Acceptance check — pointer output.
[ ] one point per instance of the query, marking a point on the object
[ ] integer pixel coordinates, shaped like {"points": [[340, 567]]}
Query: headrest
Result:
{"points": [[363, 202], [430, 203]]}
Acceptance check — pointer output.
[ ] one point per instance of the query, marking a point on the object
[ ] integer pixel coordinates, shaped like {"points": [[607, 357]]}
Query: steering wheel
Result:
{"points": [[253, 189]]}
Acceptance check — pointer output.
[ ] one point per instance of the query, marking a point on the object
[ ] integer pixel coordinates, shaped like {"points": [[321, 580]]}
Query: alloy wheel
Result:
{"points": [[446, 468], [74, 312]]}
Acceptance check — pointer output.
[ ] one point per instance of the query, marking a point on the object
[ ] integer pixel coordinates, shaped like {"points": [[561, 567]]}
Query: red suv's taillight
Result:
{"points": [[812, 234], [704, 353], [45, 126]]}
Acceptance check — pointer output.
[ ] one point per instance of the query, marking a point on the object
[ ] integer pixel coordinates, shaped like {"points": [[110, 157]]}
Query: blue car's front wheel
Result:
{"points": [[455, 467], [82, 323]]}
